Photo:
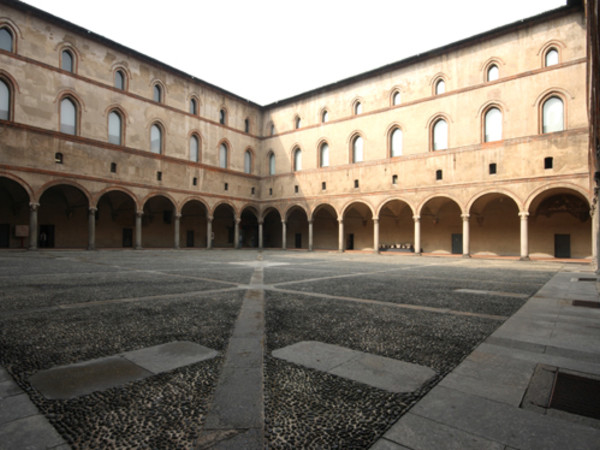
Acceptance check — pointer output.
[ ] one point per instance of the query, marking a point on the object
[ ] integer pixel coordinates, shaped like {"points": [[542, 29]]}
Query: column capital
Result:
{"points": [[177, 216], [523, 215], [465, 217], [93, 210], [33, 206], [260, 222], [139, 213], [375, 219], [417, 218], [283, 221], [238, 220], [341, 221], [311, 221], [210, 218]]}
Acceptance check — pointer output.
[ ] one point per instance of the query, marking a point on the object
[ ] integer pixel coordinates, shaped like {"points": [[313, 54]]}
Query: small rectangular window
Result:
{"points": [[438, 174], [159, 176], [492, 169], [113, 167], [226, 186], [270, 191], [296, 189], [195, 181], [548, 162], [324, 185], [355, 183], [252, 191], [58, 158], [394, 179]]}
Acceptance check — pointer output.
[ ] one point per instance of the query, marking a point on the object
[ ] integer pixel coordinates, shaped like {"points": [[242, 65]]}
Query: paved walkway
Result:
{"points": [[478, 404]]}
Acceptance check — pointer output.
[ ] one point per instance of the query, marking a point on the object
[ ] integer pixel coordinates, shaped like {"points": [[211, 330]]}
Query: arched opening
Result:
{"points": [[63, 218], [249, 228], [158, 223], [396, 227], [297, 228], [272, 229], [14, 214], [325, 228], [441, 227], [115, 221], [193, 225], [494, 226], [560, 225], [223, 226], [358, 227]]}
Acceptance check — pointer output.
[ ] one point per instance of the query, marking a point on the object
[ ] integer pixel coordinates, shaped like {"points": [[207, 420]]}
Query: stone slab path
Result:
{"points": [[377, 371]]}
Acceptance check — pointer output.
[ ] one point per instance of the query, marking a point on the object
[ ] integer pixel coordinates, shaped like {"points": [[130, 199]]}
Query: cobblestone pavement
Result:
{"points": [[65, 307]]}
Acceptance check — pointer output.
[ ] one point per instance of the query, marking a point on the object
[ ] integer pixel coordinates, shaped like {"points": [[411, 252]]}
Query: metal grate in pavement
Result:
{"points": [[576, 395]]}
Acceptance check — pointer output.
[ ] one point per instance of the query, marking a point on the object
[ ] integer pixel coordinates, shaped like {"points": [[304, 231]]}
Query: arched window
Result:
{"points": [[6, 39], [156, 139], [396, 142], [272, 129], [553, 115], [271, 163], [493, 73], [193, 106], [357, 149], [223, 156], [248, 161], [115, 128], [551, 57], [324, 116], [298, 122], [157, 93], [396, 98], [222, 116], [4, 100], [297, 160], [357, 108], [493, 125], [247, 125], [68, 116], [324, 155], [120, 79], [194, 149], [440, 135], [440, 87], [67, 61]]}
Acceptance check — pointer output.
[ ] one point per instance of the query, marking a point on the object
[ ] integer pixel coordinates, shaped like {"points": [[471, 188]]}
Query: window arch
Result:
{"points": [[297, 122], [222, 116], [553, 115], [324, 116], [194, 148], [248, 161], [297, 159], [357, 149], [157, 93], [439, 133], [324, 155], [193, 106], [156, 139], [223, 155], [115, 127], [5, 100], [67, 60], [492, 125], [357, 107], [7, 41], [492, 73], [271, 160], [551, 57], [440, 86], [396, 142], [396, 97], [120, 80], [68, 116]]}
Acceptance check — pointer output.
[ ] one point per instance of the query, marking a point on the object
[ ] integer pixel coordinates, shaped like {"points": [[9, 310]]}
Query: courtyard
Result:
{"points": [[60, 308]]}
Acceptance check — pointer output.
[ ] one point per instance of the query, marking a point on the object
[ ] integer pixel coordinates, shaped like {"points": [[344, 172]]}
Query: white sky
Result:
{"points": [[269, 50]]}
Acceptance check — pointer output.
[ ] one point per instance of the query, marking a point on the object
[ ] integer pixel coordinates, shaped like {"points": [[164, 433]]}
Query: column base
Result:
{"points": [[524, 258], [466, 255]]}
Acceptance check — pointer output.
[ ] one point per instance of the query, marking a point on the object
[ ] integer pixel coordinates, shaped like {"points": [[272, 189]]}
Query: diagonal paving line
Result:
{"points": [[236, 416]]}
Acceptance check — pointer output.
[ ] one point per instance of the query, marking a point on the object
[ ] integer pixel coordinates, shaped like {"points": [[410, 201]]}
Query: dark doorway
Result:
{"points": [[562, 245], [189, 238], [350, 244], [127, 237], [457, 244], [298, 240], [46, 238], [4, 235]]}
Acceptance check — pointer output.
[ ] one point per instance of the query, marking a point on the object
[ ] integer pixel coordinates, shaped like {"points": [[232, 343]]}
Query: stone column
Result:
{"points": [[376, 235], [138, 229], [417, 220], [33, 225], [260, 235], [236, 233], [595, 229], [92, 228], [466, 236], [310, 235], [524, 236], [209, 232], [283, 235], [340, 235], [176, 231]]}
